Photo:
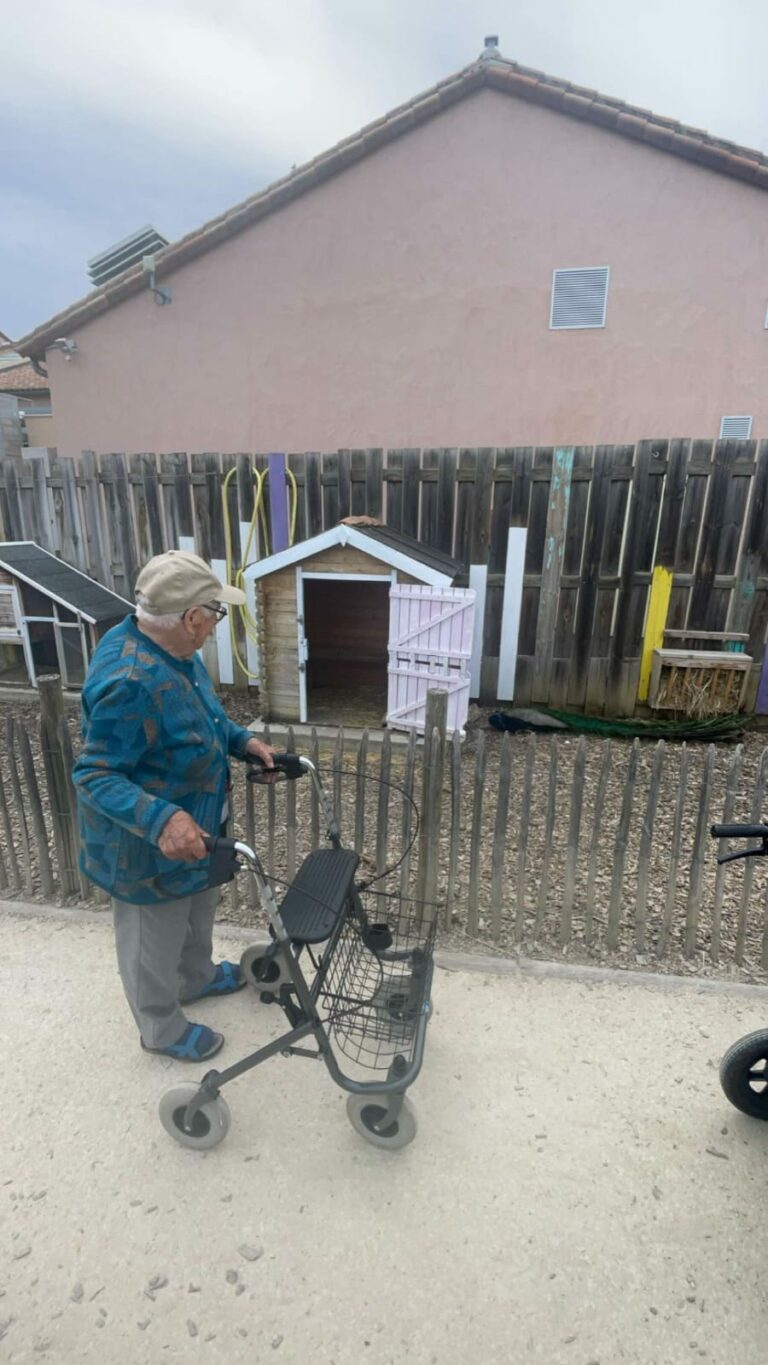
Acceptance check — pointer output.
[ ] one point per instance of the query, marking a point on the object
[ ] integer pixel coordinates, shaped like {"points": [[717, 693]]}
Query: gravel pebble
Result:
{"points": [[250, 1253], [191, 1327]]}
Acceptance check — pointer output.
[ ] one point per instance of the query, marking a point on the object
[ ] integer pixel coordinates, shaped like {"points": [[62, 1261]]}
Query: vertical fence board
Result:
{"points": [[500, 835], [361, 770], [595, 843], [374, 483], [455, 837], [290, 814], [408, 835], [11, 731], [9, 842], [522, 842], [476, 836], [701, 846], [382, 818], [646, 844], [549, 829], [572, 847], [480, 530], [620, 850], [758, 804], [674, 859], [731, 793]]}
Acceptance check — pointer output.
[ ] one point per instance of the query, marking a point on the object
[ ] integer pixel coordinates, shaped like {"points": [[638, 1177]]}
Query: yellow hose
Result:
{"points": [[237, 576]]}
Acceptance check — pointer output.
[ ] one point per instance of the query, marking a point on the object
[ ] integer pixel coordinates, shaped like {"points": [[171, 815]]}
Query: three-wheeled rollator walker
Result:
{"points": [[744, 1068], [353, 986]]}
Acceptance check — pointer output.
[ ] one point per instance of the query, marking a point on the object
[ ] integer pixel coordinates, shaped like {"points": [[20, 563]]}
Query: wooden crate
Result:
{"points": [[699, 682]]}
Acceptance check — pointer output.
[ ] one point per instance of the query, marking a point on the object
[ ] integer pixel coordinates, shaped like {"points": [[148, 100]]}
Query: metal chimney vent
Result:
{"points": [[119, 257]]}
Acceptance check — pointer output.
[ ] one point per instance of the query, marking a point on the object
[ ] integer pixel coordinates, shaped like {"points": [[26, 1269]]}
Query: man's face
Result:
{"points": [[199, 622]]}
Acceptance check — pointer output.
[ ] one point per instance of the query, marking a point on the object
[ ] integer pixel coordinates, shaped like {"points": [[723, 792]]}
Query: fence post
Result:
{"points": [[57, 778], [436, 719]]}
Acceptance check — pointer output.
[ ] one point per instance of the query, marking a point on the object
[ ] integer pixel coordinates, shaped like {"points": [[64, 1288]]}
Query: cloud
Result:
{"points": [[231, 79], [121, 112]]}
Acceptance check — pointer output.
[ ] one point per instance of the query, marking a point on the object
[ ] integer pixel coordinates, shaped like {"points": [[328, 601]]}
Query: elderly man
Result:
{"points": [[152, 780]]}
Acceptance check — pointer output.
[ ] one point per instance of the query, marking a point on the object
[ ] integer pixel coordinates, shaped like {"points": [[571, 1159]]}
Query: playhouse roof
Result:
{"points": [[393, 548], [59, 581]]}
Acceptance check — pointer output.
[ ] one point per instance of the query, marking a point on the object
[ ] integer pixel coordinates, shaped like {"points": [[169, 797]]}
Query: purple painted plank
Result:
{"points": [[278, 503], [761, 705]]}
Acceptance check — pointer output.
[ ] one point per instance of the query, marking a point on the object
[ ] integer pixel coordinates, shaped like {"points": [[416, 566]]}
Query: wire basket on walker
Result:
{"points": [[361, 994]]}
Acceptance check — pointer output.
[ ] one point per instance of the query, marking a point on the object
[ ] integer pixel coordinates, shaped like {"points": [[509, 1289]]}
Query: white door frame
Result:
{"points": [[303, 648], [21, 635]]}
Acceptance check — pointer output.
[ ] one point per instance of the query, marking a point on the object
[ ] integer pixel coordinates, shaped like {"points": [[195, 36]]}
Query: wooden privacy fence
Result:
{"points": [[592, 848], [599, 521]]}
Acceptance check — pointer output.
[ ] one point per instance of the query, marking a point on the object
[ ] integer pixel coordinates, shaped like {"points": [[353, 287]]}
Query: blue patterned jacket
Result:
{"points": [[156, 740]]}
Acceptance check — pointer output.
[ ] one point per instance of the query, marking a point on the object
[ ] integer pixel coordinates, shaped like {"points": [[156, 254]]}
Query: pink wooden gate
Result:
{"points": [[430, 648]]}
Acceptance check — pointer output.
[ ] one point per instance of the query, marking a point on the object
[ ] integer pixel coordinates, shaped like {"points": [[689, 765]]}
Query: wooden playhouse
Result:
{"points": [[356, 625]]}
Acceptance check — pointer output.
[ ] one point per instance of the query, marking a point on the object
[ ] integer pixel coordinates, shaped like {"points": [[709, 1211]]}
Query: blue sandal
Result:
{"points": [[227, 980], [196, 1044]]}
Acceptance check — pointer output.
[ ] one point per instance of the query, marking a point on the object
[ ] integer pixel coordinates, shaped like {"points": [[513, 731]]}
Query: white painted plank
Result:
{"points": [[510, 615], [222, 632], [478, 581]]}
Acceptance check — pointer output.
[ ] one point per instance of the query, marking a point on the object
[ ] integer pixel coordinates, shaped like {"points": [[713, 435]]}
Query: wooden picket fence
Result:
{"points": [[589, 848], [598, 521]]}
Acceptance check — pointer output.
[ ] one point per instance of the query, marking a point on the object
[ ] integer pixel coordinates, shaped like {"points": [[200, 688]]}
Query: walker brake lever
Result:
{"points": [[759, 852]]}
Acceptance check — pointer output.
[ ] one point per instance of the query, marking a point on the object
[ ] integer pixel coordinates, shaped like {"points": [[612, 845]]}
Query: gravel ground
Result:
{"points": [[744, 901]]}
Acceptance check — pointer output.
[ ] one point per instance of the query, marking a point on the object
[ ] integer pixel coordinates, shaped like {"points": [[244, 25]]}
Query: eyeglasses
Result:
{"points": [[217, 609]]}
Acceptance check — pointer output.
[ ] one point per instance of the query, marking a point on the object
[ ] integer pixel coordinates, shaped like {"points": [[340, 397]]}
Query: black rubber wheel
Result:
{"points": [[364, 1111], [744, 1074]]}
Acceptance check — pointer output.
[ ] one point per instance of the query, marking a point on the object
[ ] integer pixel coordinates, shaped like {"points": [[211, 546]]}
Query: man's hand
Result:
{"points": [[260, 750], [182, 839], [263, 751]]}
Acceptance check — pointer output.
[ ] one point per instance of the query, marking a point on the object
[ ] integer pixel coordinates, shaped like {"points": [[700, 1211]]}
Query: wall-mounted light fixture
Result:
{"points": [[162, 296], [64, 344]]}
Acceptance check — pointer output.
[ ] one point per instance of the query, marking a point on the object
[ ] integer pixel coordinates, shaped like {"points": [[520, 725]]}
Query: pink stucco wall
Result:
{"points": [[406, 302]]}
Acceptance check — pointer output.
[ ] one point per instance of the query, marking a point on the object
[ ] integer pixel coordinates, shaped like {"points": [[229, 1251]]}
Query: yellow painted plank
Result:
{"points": [[661, 589]]}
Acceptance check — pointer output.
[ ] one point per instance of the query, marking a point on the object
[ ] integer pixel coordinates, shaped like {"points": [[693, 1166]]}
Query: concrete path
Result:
{"points": [[579, 1190]]}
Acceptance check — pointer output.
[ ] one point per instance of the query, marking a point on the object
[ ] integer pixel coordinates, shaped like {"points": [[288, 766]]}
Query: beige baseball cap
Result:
{"points": [[177, 580]]}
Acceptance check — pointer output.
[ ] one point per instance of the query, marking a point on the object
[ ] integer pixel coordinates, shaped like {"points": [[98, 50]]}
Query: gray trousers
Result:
{"points": [[164, 955]]}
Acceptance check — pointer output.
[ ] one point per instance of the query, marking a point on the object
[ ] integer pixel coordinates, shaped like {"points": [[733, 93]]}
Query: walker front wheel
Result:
{"points": [[266, 976], [365, 1113], [210, 1124], [744, 1074]]}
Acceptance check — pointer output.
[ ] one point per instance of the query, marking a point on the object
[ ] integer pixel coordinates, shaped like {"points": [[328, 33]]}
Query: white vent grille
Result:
{"points": [[119, 257], [736, 428], [579, 297]]}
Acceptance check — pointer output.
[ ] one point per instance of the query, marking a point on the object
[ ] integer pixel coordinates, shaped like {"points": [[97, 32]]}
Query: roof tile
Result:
{"points": [[22, 379]]}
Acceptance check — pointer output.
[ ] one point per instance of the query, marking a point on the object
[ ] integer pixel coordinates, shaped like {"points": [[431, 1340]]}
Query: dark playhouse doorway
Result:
{"points": [[346, 624]]}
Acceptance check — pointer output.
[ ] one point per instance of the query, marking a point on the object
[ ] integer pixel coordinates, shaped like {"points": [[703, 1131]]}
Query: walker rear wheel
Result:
{"points": [[744, 1074], [210, 1124], [366, 1111]]}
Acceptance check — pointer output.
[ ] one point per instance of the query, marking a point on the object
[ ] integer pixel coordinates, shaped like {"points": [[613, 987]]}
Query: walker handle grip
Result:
{"points": [[289, 765], [215, 844], [739, 831]]}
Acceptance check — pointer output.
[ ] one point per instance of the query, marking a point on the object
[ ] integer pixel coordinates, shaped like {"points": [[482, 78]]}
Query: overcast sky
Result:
{"points": [[117, 113]]}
